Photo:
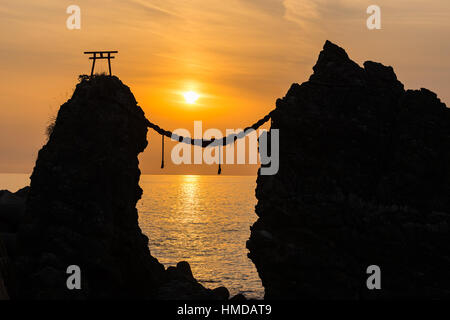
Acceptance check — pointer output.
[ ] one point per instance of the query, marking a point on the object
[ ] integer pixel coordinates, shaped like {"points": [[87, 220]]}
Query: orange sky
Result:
{"points": [[240, 55]]}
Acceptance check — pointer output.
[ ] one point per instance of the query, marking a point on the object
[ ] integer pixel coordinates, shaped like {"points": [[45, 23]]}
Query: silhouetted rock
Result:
{"points": [[239, 297], [81, 207], [82, 200], [12, 215], [221, 293], [3, 291], [364, 180], [180, 284], [184, 268], [4, 272], [12, 209]]}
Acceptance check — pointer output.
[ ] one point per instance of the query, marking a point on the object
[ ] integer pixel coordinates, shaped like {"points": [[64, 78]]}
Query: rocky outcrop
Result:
{"points": [[364, 180], [4, 270], [180, 284], [12, 215], [82, 201], [81, 206], [12, 209]]}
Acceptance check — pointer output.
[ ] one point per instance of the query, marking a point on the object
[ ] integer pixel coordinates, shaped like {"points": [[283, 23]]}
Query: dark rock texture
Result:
{"points": [[12, 209], [180, 284], [81, 206], [4, 272], [12, 215], [82, 200], [364, 180]]}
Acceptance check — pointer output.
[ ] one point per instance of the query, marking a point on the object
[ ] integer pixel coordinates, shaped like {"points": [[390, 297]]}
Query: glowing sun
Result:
{"points": [[191, 97]]}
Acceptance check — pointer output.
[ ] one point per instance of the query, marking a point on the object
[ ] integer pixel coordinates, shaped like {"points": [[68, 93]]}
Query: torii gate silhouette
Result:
{"points": [[101, 53]]}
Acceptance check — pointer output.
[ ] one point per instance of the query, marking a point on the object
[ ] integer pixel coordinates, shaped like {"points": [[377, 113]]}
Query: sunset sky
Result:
{"points": [[238, 55]]}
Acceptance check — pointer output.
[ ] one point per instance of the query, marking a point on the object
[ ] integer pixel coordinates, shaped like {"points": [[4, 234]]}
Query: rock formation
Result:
{"points": [[82, 200], [12, 209], [12, 215], [364, 180], [81, 206], [4, 270], [180, 284]]}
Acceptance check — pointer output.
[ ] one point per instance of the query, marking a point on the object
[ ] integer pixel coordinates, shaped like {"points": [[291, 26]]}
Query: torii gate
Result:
{"points": [[101, 53]]}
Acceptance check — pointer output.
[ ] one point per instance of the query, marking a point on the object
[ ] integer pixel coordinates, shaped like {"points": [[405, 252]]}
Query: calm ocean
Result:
{"points": [[204, 220]]}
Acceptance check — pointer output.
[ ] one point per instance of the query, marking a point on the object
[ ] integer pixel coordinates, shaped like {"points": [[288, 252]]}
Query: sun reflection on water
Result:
{"points": [[204, 220], [189, 194]]}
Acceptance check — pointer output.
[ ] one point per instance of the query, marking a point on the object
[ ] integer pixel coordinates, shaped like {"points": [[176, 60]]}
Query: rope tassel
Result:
{"points": [[220, 156], [206, 143], [162, 152]]}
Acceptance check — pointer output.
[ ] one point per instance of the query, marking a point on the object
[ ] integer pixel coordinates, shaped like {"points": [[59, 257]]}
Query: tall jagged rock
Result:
{"points": [[364, 180], [82, 201], [81, 208]]}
